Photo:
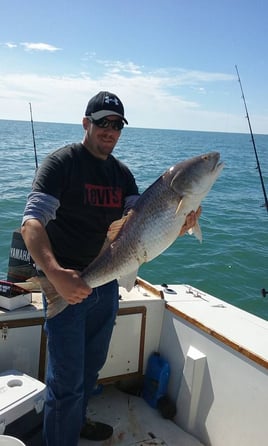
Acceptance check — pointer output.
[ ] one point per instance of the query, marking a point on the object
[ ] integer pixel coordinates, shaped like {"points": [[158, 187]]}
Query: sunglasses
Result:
{"points": [[104, 123]]}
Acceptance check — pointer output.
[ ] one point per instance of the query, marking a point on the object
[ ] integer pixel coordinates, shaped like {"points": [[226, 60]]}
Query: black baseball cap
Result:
{"points": [[105, 104]]}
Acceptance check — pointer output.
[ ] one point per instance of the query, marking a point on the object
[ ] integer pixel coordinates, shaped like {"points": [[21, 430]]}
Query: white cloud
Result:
{"points": [[121, 67], [39, 47], [153, 100], [11, 45]]}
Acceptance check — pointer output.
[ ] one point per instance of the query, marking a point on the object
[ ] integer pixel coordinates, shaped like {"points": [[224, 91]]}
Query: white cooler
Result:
{"points": [[19, 395], [6, 440]]}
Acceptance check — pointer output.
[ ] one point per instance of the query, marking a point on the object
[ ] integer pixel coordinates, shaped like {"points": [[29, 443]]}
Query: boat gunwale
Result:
{"points": [[224, 339]]}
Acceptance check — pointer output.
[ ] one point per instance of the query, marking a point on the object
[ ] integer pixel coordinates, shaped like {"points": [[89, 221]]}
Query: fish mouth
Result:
{"points": [[217, 165]]}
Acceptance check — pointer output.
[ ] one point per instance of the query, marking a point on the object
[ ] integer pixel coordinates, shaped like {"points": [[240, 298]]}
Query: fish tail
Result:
{"points": [[55, 303]]}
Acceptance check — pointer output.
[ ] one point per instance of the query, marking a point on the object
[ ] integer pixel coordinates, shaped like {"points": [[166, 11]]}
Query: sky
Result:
{"points": [[171, 62]]}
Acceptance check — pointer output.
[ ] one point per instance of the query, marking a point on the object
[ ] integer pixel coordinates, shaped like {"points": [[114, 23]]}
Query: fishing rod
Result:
{"points": [[35, 153], [253, 141], [23, 267]]}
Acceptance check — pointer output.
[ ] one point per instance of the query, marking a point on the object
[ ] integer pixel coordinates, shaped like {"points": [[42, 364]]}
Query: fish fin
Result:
{"points": [[196, 231], [55, 303], [30, 285], [179, 206], [113, 231], [128, 281], [116, 226]]}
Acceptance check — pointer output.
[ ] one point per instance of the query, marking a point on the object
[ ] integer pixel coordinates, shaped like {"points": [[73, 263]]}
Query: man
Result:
{"points": [[78, 191]]}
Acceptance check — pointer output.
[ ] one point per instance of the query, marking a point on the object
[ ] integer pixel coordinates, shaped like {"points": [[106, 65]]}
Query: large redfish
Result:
{"points": [[149, 228]]}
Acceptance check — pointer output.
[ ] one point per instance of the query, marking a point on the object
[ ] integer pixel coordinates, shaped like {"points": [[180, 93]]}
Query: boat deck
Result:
{"points": [[134, 421]]}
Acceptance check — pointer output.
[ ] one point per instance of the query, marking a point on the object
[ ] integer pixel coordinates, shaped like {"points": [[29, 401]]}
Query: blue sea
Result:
{"points": [[232, 261]]}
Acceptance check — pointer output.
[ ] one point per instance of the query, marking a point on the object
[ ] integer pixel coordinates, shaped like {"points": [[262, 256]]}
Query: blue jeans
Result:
{"points": [[78, 342]]}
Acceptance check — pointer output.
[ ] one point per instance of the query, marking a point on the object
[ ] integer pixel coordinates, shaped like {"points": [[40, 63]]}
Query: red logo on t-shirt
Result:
{"points": [[106, 196]]}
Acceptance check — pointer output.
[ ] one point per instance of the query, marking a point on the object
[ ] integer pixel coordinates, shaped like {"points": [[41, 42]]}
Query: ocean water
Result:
{"points": [[232, 261]]}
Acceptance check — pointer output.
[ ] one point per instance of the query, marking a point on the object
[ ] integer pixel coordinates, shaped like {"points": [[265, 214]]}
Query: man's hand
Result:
{"points": [[190, 221], [70, 285]]}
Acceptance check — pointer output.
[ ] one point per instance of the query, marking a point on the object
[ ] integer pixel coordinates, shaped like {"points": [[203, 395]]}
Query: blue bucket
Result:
{"points": [[156, 379]]}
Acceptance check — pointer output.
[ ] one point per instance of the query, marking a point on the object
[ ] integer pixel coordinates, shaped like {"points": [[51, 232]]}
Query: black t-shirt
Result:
{"points": [[91, 192]]}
